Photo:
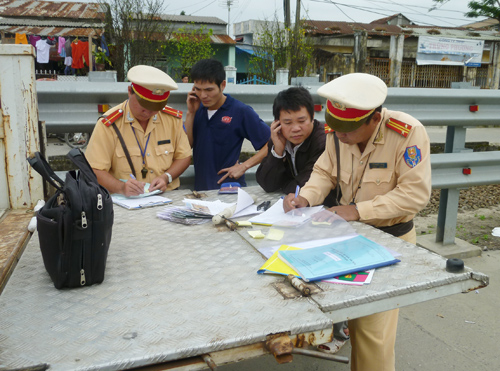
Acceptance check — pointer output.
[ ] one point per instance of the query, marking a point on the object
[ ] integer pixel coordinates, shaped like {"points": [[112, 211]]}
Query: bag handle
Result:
{"points": [[40, 165], [78, 158]]}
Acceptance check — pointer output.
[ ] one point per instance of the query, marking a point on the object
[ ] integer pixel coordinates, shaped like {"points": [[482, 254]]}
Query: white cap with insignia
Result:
{"points": [[151, 86], [351, 99]]}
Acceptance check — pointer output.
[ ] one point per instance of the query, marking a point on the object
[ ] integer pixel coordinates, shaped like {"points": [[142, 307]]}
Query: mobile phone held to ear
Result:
{"points": [[231, 187]]}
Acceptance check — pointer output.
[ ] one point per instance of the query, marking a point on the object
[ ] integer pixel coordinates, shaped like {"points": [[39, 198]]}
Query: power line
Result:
{"points": [[377, 11]]}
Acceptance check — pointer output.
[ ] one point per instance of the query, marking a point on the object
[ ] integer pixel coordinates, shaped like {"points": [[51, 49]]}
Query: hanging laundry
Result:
{"points": [[42, 51], [80, 50], [51, 40], [21, 38], [34, 40], [61, 46]]}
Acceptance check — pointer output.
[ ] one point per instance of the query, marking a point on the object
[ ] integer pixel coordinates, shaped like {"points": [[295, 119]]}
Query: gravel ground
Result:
{"points": [[478, 214]]}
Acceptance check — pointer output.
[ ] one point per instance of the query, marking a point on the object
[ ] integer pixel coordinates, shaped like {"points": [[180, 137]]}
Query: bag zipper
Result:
{"points": [[82, 271]]}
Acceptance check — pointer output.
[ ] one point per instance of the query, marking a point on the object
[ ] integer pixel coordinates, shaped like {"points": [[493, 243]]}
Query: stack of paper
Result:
{"points": [[349, 256], [244, 205], [277, 217], [138, 203]]}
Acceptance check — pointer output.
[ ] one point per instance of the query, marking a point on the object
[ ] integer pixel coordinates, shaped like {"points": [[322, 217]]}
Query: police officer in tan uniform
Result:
{"points": [[385, 179], [153, 135]]}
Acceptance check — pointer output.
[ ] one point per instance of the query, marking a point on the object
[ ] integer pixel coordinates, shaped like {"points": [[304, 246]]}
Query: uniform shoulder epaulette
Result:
{"points": [[399, 126], [328, 129], [112, 117], [172, 112]]}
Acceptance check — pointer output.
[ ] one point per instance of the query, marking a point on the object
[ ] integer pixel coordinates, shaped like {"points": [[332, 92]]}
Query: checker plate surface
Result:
{"points": [[174, 291]]}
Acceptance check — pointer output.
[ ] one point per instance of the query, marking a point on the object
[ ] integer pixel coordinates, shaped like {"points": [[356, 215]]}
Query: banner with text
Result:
{"points": [[450, 52]]}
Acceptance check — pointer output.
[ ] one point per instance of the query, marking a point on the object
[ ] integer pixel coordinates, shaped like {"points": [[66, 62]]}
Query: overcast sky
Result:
{"points": [[364, 11]]}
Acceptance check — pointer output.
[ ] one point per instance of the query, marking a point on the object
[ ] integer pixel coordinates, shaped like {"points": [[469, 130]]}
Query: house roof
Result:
{"points": [[390, 18], [458, 32], [349, 28], [485, 23], [329, 28], [48, 18], [48, 9], [192, 18]]}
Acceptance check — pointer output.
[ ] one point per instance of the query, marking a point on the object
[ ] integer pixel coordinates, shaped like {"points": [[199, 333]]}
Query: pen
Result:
{"points": [[132, 176], [297, 191]]}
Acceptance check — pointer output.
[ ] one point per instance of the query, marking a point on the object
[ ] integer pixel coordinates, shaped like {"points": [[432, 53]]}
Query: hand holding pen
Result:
{"points": [[294, 201], [133, 187]]}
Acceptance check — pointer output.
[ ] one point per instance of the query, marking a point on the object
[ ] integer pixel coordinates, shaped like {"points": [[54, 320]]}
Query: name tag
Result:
{"points": [[378, 165], [166, 141]]}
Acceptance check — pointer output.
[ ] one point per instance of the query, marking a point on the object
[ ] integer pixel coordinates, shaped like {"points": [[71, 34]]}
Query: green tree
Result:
{"points": [[190, 45], [279, 47], [135, 31], [481, 8]]}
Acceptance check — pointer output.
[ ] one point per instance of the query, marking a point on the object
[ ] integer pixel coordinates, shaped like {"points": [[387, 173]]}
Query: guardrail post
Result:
{"points": [[449, 198], [447, 216]]}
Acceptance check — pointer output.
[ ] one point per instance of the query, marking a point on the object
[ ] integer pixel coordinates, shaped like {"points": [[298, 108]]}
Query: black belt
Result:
{"points": [[398, 230]]}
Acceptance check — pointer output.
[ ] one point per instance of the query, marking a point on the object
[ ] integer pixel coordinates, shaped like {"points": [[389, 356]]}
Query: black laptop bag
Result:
{"points": [[74, 226]]}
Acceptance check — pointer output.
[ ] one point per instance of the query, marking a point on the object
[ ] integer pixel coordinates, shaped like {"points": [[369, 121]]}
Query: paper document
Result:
{"points": [[277, 217], [350, 256], [138, 203], [244, 205], [146, 191]]}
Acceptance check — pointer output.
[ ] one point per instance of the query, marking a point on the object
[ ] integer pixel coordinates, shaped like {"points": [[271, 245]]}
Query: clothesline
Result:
{"points": [[75, 52]]}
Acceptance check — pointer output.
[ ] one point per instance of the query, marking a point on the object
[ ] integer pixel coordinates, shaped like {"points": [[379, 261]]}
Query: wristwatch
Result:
{"points": [[169, 178]]}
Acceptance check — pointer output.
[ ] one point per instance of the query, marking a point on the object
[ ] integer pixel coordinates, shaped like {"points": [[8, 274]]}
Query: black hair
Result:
{"points": [[184, 75], [209, 70], [293, 99], [378, 109]]}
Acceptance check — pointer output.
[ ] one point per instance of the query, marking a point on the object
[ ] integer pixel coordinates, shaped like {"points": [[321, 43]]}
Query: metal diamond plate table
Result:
{"points": [[174, 291]]}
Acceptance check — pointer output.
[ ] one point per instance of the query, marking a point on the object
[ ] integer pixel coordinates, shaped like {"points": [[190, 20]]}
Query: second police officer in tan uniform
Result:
{"points": [[158, 148], [385, 179]]}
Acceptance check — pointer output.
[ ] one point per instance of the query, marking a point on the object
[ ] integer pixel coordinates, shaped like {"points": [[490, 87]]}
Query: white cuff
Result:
{"points": [[276, 155]]}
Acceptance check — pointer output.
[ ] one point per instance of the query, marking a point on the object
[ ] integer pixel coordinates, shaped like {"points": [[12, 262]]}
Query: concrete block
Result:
{"points": [[460, 249]]}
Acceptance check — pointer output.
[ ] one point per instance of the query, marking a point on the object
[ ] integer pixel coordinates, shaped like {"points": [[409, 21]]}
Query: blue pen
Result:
{"points": [[297, 191], [132, 176]]}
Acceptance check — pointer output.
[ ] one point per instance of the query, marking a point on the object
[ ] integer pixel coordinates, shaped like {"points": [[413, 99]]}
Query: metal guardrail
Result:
{"points": [[72, 107]]}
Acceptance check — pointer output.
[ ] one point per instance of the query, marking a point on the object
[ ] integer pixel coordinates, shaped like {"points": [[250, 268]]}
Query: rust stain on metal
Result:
{"points": [[209, 361], [311, 338], [300, 341], [50, 9], [281, 348]]}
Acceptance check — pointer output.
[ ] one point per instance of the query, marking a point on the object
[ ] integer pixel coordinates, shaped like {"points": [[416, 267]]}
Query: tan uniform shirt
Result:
{"points": [[389, 182], [167, 142]]}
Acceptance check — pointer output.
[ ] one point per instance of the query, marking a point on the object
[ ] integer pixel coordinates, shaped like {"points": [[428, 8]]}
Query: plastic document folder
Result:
{"points": [[336, 259], [274, 265]]}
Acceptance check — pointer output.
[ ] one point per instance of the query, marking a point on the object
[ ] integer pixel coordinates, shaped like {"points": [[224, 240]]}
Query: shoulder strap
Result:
{"points": [[77, 157], [124, 146], [110, 121], [40, 165], [172, 111], [112, 117], [337, 152]]}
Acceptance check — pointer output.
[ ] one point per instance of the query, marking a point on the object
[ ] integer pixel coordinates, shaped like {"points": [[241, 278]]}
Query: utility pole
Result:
{"points": [[228, 4], [286, 9], [297, 16]]}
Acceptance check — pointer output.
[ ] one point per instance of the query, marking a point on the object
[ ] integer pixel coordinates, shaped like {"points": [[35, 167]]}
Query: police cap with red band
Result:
{"points": [[351, 99], [151, 86]]}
